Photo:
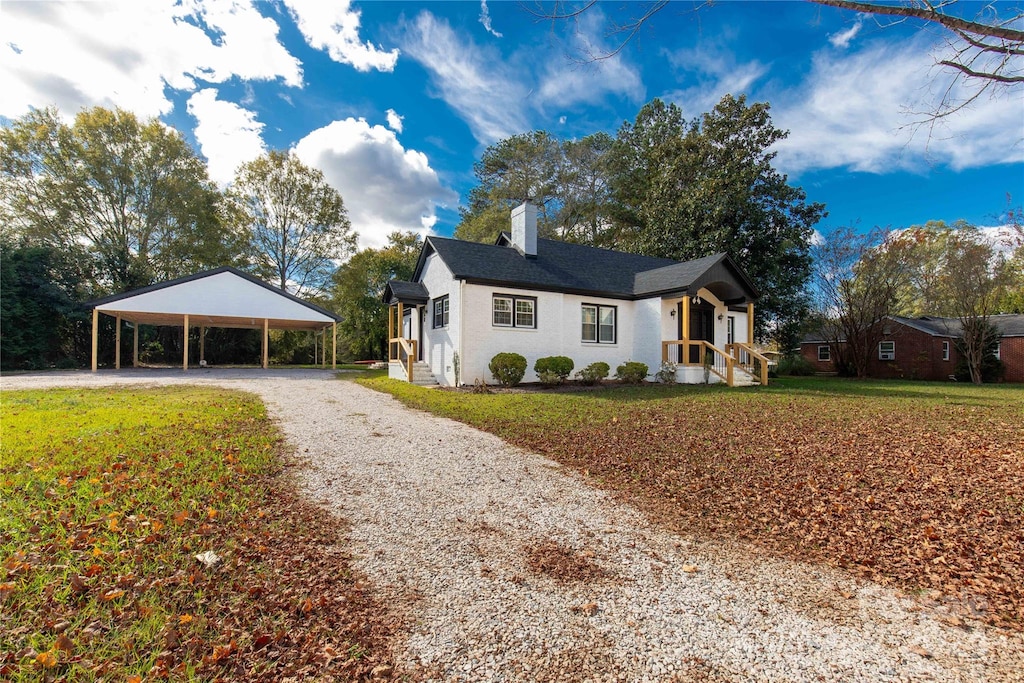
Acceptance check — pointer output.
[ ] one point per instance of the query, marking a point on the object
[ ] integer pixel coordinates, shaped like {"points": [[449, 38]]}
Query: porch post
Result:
{"points": [[266, 343], [184, 354], [135, 345], [391, 328], [202, 343], [686, 329], [95, 337], [334, 346], [750, 323], [117, 343]]}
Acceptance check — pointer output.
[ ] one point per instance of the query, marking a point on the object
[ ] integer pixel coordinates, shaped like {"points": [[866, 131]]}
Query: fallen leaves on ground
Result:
{"points": [[924, 494]]}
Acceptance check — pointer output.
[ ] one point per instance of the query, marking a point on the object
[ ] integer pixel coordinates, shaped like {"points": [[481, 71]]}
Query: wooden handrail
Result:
{"points": [[722, 363], [409, 347], [750, 365]]}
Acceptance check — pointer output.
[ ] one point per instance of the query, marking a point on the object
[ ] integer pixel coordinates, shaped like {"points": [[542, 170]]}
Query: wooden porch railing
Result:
{"points": [[753, 362], [722, 363], [710, 356], [404, 351]]}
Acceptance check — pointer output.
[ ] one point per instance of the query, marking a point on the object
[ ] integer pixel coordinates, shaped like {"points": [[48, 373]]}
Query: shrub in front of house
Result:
{"points": [[631, 372], [508, 368], [593, 373], [667, 373], [553, 369]]}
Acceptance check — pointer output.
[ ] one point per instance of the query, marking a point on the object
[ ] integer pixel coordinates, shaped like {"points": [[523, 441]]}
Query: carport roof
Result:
{"points": [[223, 297]]}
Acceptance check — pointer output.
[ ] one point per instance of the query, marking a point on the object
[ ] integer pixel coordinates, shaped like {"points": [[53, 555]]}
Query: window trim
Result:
{"points": [[999, 349], [945, 350], [445, 312], [881, 352], [597, 323], [730, 329], [515, 299], [828, 353]]}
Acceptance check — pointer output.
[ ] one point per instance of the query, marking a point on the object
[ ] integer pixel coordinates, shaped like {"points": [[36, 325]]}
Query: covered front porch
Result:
{"points": [[707, 328], [406, 302]]}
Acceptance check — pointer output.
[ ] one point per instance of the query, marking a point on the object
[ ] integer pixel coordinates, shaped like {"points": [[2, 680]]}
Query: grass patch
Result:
{"points": [[110, 494], [911, 483]]}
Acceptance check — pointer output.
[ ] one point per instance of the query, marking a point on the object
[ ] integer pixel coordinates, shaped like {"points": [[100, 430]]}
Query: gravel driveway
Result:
{"points": [[507, 567]]}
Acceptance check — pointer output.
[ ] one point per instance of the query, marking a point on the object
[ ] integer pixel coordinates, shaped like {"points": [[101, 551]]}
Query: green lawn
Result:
{"points": [[109, 495], [911, 483]]}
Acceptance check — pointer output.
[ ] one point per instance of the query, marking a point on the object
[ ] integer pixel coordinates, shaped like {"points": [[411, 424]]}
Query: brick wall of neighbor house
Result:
{"points": [[809, 350], [1011, 352], [918, 356]]}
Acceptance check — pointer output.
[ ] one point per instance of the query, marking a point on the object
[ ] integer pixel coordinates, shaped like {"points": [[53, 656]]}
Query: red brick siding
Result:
{"points": [[1011, 352]]}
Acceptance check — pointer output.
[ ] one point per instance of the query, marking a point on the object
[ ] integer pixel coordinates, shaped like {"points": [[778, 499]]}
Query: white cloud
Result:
{"points": [[485, 19], [498, 96], [843, 39], [394, 121], [475, 81], [385, 186], [852, 112], [717, 74], [228, 135], [126, 53], [334, 26]]}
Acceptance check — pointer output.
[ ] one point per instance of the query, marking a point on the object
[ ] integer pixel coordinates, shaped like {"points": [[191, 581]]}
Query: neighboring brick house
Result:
{"points": [[924, 348]]}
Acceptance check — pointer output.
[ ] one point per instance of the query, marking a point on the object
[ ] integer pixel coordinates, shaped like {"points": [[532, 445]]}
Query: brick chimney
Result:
{"points": [[524, 229]]}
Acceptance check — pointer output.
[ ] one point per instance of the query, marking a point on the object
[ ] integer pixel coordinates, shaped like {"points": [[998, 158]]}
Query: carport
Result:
{"points": [[223, 297]]}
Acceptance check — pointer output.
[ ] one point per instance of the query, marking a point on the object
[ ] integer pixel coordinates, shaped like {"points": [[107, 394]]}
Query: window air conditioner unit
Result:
{"points": [[886, 355]]}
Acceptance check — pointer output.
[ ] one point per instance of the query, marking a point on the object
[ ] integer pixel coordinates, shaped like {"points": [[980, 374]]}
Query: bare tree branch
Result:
{"points": [[932, 14]]}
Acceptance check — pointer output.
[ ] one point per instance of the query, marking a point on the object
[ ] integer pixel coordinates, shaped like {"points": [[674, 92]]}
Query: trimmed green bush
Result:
{"points": [[555, 368], [632, 372], [593, 373], [508, 368], [795, 366]]}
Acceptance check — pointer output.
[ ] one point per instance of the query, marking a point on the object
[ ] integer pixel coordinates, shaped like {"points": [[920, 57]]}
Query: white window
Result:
{"points": [[598, 324], [945, 350], [998, 345], [441, 312], [824, 353], [514, 311], [887, 350], [730, 330]]}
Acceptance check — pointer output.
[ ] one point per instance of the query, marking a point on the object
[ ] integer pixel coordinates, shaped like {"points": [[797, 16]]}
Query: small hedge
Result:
{"points": [[593, 373], [508, 368], [553, 369], [632, 372]]}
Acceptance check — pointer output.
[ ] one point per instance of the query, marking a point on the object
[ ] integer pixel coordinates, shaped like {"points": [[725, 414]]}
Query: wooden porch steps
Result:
{"points": [[421, 374]]}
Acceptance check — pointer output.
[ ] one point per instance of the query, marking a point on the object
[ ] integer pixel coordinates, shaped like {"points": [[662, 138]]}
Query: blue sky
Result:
{"points": [[394, 101]]}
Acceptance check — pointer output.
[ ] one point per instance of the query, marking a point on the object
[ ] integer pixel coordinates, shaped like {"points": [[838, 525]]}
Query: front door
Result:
{"points": [[702, 327]]}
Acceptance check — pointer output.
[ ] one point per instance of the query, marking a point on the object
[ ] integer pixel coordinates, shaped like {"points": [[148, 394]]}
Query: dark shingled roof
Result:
{"points": [[406, 292], [1008, 324], [579, 269]]}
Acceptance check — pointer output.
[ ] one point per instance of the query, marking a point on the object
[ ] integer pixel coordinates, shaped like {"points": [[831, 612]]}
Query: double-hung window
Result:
{"points": [[514, 311], [598, 324], [887, 350], [945, 350], [441, 311], [824, 353]]}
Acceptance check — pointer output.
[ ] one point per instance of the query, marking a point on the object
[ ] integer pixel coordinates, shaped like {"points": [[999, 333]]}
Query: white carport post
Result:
{"points": [[202, 344], [117, 343], [334, 346], [95, 337], [266, 343], [184, 354], [135, 345]]}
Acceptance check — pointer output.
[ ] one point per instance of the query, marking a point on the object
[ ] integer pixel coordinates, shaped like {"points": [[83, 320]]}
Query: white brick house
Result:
{"points": [[540, 297]]}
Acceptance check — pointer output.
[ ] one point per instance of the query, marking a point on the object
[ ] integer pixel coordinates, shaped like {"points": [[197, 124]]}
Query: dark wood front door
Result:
{"points": [[702, 327]]}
